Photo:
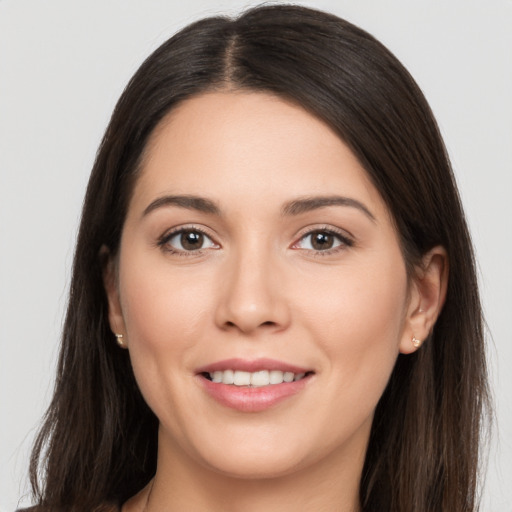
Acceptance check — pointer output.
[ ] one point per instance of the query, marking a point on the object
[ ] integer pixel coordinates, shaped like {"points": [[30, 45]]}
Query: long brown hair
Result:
{"points": [[98, 441]]}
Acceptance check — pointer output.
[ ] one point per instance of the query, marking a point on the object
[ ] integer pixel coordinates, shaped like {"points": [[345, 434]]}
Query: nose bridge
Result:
{"points": [[252, 295]]}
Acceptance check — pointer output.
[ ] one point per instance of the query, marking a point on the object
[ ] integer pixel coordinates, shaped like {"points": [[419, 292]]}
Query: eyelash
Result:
{"points": [[163, 241], [344, 240]]}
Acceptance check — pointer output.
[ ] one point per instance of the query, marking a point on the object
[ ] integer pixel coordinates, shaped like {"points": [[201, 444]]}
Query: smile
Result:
{"points": [[254, 379], [252, 386]]}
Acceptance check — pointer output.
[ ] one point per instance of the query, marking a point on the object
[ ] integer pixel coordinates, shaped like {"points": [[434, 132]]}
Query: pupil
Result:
{"points": [[191, 240], [322, 241]]}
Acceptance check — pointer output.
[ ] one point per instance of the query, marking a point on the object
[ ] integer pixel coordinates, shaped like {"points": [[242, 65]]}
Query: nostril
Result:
{"points": [[268, 323]]}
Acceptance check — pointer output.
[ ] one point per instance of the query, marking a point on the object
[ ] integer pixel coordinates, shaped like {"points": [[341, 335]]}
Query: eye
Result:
{"points": [[187, 240], [322, 240]]}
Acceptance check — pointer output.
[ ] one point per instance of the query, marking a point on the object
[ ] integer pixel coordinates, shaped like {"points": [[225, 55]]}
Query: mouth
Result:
{"points": [[252, 386], [256, 379]]}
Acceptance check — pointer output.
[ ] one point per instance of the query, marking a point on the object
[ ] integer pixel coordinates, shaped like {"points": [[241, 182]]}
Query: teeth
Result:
{"points": [[242, 378], [260, 378], [228, 377], [288, 377], [254, 379], [276, 377]]}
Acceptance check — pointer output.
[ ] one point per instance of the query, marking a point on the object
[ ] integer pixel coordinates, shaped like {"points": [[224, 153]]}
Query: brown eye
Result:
{"points": [[188, 240], [191, 240], [320, 241]]}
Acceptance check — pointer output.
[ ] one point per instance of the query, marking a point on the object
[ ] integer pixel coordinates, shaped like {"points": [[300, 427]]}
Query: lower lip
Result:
{"points": [[252, 399]]}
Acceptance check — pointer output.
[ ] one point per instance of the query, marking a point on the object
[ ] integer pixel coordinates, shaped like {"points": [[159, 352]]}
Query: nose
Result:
{"points": [[252, 295]]}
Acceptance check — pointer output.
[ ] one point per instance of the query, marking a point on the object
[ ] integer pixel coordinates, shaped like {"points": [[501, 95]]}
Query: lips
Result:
{"points": [[252, 386], [251, 366]]}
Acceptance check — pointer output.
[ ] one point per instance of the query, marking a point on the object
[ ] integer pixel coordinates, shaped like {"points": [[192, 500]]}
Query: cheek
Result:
{"points": [[161, 306], [358, 320], [359, 301], [164, 315]]}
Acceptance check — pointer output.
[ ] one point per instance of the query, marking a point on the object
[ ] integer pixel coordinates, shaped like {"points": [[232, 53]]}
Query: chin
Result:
{"points": [[274, 455], [255, 468]]}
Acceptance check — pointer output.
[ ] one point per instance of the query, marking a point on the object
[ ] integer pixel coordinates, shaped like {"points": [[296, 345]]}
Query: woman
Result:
{"points": [[265, 234]]}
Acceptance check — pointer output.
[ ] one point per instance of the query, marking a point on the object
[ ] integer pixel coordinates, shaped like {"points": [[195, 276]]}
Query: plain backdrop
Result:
{"points": [[63, 64]]}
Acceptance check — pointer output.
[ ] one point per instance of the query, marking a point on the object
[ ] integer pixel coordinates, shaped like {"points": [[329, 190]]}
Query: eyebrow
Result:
{"points": [[200, 204], [308, 204], [295, 207]]}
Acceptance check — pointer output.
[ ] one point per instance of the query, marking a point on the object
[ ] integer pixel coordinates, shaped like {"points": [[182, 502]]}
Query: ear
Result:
{"points": [[115, 314], [427, 296]]}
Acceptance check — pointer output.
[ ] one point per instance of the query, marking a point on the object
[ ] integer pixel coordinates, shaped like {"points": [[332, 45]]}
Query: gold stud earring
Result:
{"points": [[120, 341], [416, 342]]}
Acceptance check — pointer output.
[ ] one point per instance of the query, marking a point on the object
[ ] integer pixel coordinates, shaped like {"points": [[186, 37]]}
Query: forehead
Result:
{"points": [[246, 145]]}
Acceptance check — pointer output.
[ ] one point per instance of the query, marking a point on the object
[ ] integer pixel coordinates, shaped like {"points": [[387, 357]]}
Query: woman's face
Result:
{"points": [[256, 249]]}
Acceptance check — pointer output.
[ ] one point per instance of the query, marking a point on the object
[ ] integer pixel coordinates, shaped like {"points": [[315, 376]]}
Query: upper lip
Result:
{"points": [[251, 365]]}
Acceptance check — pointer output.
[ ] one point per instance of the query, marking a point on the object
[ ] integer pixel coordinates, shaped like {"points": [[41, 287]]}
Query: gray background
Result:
{"points": [[63, 64]]}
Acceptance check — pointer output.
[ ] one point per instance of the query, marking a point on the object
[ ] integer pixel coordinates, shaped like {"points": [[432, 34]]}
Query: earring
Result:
{"points": [[120, 341], [416, 342]]}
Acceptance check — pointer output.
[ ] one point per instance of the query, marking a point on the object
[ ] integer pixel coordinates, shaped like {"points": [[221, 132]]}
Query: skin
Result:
{"points": [[256, 289]]}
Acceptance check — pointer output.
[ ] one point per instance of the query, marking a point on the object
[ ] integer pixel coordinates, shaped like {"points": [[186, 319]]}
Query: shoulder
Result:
{"points": [[107, 507]]}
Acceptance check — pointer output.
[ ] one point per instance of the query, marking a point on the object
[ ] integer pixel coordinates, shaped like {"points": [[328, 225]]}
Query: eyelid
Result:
{"points": [[347, 239], [170, 233]]}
